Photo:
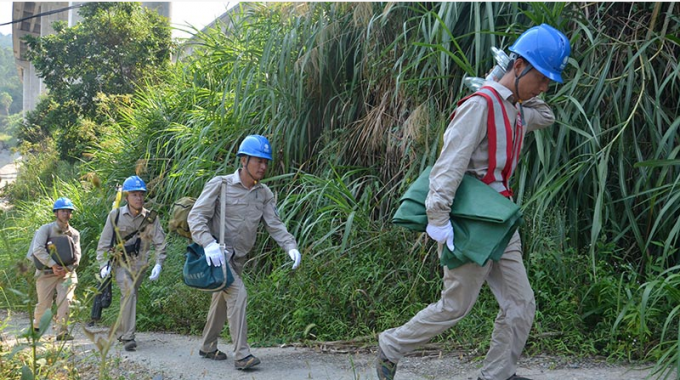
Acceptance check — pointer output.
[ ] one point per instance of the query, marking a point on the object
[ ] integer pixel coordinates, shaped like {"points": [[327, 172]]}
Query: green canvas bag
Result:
{"points": [[197, 273], [483, 220]]}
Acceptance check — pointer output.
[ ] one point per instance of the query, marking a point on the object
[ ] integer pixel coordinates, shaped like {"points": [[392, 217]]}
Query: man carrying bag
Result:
{"points": [[484, 139], [56, 266], [248, 202], [123, 252]]}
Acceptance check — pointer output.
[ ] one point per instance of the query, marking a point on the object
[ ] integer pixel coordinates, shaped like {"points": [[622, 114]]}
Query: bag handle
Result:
{"points": [[223, 210]]}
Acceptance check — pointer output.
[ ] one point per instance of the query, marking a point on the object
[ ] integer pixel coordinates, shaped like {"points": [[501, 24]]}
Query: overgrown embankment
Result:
{"points": [[355, 98]]}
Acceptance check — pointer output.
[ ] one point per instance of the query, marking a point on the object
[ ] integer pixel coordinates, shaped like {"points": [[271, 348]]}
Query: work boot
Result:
{"points": [[129, 345], [214, 355], [386, 369], [248, 362], [64, 336]]}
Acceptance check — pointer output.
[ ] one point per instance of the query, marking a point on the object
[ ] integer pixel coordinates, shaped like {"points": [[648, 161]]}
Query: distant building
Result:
{"points": [[42, 26]]}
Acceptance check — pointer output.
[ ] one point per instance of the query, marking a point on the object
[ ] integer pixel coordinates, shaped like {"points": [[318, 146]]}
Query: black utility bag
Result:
{"points": [[103, 299], [197, 273], [62, 250]]}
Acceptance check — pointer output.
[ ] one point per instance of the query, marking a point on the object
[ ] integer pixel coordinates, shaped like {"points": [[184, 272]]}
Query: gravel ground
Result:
{"points": [[162, 356]]}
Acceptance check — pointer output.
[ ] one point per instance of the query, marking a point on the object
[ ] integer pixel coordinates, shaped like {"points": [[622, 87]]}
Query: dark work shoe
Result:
{"points": [[248, 362], [215, 355], [64, 337], [130, 345], [386, 369]]}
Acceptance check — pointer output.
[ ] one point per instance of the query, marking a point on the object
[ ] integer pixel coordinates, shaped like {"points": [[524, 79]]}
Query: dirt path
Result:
{"points": [[161, 356], [8, 171]]}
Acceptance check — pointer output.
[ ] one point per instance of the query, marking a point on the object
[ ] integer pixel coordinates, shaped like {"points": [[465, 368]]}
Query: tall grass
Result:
{"points": [[370, 85], [355, 98]]}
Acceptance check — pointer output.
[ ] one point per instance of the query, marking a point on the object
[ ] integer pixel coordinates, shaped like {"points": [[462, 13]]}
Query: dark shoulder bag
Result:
{"points": [[62, 250]]}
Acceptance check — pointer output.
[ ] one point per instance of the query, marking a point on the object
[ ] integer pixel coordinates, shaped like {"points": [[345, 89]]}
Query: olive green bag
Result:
{"points": [[483, 220], [178, 219]]}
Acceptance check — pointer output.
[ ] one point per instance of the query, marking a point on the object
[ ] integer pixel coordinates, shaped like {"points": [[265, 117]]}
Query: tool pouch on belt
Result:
{"points": [[132, 248]]}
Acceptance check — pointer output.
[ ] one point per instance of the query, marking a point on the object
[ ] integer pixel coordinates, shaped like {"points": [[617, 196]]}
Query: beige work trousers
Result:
{"points": [[129, 278], [508, 281], [46, 284], [228, 305]]}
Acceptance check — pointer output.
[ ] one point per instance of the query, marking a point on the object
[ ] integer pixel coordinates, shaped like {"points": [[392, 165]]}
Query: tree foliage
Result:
{"points": [[116, 47], [11, 95]]}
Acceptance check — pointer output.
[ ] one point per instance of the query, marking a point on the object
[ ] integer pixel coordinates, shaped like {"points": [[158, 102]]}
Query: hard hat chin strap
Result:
{"points": [[247, 171], [524, 72]]}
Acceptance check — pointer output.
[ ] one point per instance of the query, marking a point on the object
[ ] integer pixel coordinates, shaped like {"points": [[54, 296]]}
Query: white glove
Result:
{"points": [[442, 234], [105, 271], [296, 257], [213, 254], [155, 272]]}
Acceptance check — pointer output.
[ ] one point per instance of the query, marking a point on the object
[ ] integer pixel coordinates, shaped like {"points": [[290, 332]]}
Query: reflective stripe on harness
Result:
{"points": [[505, 143]]}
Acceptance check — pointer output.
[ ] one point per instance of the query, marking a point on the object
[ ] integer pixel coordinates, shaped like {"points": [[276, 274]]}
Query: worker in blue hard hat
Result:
{"points": [[484, 139], [130, 232], [249, 203], [55, 251]]}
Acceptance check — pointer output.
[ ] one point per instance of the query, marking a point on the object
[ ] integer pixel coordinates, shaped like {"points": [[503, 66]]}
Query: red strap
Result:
{"points": [[512, 150]]}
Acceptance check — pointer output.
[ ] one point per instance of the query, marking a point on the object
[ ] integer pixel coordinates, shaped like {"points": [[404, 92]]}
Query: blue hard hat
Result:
{"points": [[546, 48], [134, 183], [255, 146], [63, 204]]}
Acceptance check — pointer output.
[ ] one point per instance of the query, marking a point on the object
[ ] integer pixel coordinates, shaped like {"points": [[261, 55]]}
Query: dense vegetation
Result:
{"points": [[10, 86], [125, 45], [355, 98], [11, 96]]}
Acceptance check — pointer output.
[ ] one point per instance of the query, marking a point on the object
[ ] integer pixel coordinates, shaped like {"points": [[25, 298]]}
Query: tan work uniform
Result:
{"points": [[245, 209], [129, 275], [47, 282], [466, 150]]}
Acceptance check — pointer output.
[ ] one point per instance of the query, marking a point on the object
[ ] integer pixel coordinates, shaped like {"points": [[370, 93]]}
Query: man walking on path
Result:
{"points": [[124, 244], [484, 138], [248, 203], [56, 275]]}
